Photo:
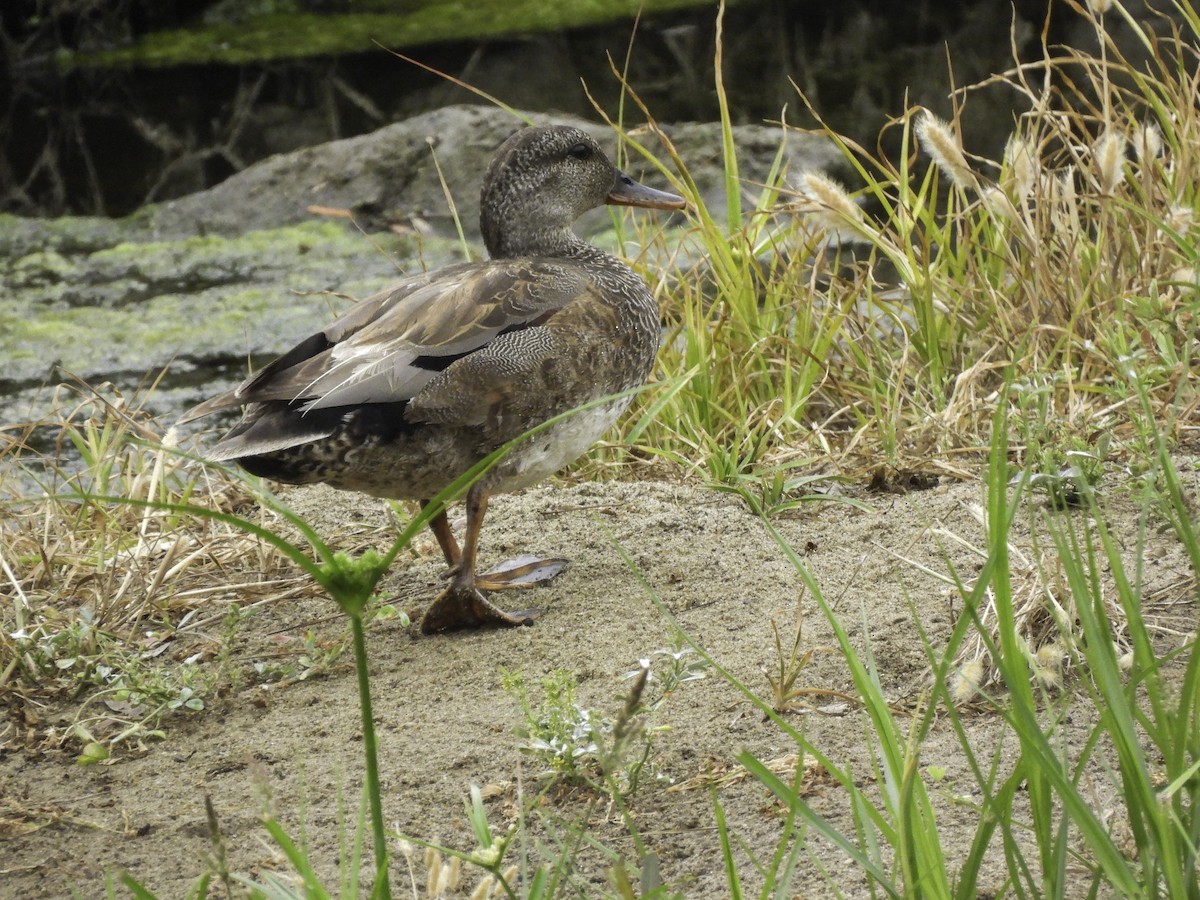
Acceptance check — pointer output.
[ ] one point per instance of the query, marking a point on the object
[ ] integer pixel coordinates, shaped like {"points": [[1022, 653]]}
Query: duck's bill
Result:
{"points": [[627, 192]]}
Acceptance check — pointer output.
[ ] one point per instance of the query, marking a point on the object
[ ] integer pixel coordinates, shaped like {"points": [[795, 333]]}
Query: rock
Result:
{"points": [[390, 176], [101, 300]]}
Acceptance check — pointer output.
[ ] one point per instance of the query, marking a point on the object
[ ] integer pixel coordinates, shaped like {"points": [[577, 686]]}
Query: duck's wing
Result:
{"points": [[389, 346]]}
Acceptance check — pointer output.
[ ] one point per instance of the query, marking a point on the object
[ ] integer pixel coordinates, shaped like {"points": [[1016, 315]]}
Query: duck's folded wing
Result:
{"points": [[389, 346]]}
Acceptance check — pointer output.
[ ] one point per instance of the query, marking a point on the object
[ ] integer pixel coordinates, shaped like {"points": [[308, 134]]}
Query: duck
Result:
{"points": [[415, 385]]}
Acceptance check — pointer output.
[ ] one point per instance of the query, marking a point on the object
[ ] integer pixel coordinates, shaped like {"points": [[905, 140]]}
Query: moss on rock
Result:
{"points": [[135, 304], [273, 32]]}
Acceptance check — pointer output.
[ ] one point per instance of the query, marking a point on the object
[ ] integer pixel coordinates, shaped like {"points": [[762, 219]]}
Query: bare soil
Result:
{"points": [[445, 723]]}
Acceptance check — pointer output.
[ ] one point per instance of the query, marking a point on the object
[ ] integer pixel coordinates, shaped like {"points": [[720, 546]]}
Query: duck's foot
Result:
{"points": [[520, 572], [467, 607]]}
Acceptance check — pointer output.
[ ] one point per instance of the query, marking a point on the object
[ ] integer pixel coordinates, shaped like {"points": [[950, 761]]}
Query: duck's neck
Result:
{"points": [[505, 241]]}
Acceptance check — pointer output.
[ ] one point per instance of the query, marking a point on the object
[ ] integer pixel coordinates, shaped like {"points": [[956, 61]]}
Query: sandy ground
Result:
{"points": [[445, 723]]}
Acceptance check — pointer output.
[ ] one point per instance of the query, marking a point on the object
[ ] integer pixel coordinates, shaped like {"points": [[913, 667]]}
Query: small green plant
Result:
{"points": [[557, 731], [317, 657], [774, 491], [1060, 462], [609, 756], [138, 692], [788, 666], [587, 747], [1067, 473]]}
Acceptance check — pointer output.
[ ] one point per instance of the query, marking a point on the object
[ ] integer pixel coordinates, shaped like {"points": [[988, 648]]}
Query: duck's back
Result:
{"points": [[413, 386]]}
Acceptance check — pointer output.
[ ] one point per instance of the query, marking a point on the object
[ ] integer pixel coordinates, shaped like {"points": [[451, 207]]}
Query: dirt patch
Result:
{"points": [[445, 723]]}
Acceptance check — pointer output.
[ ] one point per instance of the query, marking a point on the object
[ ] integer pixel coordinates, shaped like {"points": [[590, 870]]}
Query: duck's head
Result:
{"points": [[543, 179]]}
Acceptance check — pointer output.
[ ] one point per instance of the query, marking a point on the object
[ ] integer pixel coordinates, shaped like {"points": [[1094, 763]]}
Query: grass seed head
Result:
{"points": [[967, 680], [508, 876], [1180, 218], [1186, 275], [942, 145], [1064, 207], [828, 202], [1109, 155], [449, 876], [1021, 166], [433, 859], [1148, 143], [1048, 665], [998, 203], [434, 880]]}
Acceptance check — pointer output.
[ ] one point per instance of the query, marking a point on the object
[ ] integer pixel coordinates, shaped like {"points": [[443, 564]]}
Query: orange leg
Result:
{"points": [[477, 504], [440, 526]]}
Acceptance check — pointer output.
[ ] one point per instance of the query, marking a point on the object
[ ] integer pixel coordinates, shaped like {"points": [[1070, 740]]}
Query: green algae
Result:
{"points": [[69, 234], [136, 303], [275, 34]]}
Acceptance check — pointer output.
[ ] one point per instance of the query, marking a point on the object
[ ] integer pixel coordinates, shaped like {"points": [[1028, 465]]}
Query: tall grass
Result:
{"points": [[868, 325], [1043, 312]]}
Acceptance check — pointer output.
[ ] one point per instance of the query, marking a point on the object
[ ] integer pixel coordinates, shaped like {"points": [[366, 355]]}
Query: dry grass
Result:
{"points": [[868, 328], [101, 580]]}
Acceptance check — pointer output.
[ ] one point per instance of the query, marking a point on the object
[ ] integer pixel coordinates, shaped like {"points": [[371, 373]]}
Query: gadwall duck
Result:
{"points": [[415, 385]]}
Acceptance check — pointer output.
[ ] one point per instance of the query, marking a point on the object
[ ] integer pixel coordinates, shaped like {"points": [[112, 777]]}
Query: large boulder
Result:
{"points": [[391, 176]]}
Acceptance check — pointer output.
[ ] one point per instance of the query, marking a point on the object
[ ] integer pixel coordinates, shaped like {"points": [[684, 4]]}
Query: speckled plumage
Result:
{"points": [[413, 386]]}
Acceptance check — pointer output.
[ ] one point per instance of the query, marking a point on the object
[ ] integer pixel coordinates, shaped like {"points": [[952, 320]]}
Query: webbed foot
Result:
{"points": [[467, 607]]}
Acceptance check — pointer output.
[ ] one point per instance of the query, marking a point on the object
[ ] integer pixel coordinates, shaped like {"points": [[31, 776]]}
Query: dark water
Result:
{"points": [[107, 141]]}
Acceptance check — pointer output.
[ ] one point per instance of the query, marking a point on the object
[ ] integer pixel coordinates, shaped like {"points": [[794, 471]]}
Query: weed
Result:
{"points": [[583, 746], [558, 731]]}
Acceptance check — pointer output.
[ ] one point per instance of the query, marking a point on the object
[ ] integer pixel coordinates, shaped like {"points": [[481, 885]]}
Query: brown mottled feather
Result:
{"points": [[414, 385]]}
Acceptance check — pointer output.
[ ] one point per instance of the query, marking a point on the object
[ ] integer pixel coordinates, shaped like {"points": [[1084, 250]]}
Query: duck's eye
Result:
{"points": [[580, 151]]}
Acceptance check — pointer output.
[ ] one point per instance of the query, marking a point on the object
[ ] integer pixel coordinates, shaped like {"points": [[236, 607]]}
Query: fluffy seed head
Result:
{"points": [[1048, 665], [1109, 154], [1021, 165], [1064, 208], [828, 202], [942, 145], [1148, 144], [451, 875], [967, 680], [486, 856], [1181, 217], [997, 201]]}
